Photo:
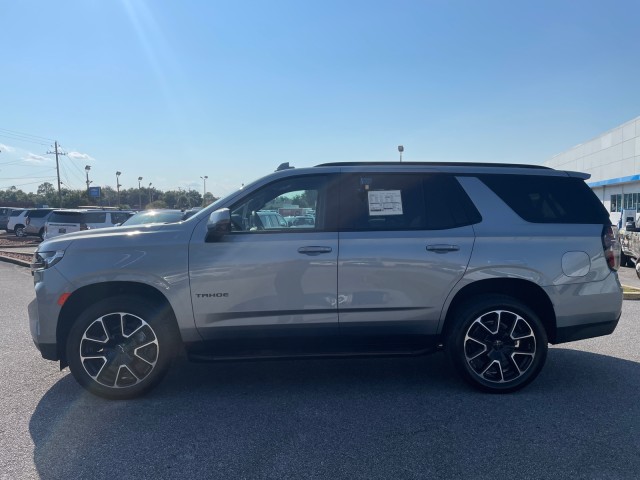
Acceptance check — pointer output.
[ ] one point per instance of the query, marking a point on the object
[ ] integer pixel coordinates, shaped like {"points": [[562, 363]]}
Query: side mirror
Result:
{"points": [[219, 224]]}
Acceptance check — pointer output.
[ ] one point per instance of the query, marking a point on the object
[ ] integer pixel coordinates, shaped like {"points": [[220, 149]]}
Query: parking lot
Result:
{"points": [[365, 418]]}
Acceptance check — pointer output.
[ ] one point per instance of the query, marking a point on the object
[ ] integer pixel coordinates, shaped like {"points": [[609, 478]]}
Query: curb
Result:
{"points": [[631, 296], [15, 261]]}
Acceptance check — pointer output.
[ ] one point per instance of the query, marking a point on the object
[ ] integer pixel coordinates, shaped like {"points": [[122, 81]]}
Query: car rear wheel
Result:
{"points": [[19, 231], [121, 347], [497, 344]]}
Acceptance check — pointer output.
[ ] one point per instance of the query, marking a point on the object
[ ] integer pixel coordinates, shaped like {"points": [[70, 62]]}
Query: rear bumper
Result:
{"points": [[586, 310], [580, 332]]}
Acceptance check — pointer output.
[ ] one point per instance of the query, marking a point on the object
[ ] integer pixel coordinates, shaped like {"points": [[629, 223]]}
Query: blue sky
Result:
{"points": [[172, 91]]}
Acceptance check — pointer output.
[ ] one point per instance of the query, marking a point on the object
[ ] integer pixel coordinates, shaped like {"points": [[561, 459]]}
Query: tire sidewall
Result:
{"points": [[162, 325], [472, 310]]}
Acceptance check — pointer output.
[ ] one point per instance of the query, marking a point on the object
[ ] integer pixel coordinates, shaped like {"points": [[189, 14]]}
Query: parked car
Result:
{"points": [[69, 221], [5, 213], [306, 221], [488, 262], [17, 222], [35, 220], [154, 216], [270, 220]]}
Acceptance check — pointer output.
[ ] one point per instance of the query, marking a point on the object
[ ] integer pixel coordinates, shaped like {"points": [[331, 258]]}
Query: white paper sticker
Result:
{"points": [[385, 202]]}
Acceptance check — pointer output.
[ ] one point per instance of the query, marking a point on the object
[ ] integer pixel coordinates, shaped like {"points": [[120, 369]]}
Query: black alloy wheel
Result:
{"points": [[121, 347], [497, 344]]}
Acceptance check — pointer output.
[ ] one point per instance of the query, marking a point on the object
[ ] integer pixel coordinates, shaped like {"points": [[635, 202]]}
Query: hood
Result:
{"points": [[114, 235]]}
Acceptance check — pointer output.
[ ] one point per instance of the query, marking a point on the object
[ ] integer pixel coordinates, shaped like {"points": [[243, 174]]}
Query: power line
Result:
{"points": [[26, 134], [19, 185], [21, 139]]}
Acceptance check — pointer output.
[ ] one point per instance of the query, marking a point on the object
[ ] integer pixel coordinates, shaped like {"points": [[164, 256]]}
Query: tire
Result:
{"points": [[625, 260], [638, 269], [121, 347], [19, 231], [41, 234], [497, 344]]}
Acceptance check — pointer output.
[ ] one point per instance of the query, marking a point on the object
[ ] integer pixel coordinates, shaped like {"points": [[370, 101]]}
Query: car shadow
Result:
{"points": [[356, 418]]}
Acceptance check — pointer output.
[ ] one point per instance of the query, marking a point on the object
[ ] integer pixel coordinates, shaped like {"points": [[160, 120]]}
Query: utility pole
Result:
{"points": [[58, 171], [139, 193]]}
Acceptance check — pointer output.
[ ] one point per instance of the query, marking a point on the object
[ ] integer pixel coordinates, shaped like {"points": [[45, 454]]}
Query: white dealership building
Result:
{"points": [[613, 160]]}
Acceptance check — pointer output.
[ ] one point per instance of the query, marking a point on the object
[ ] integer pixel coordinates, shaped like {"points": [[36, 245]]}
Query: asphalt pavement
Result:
{"points": [[327, 419]]}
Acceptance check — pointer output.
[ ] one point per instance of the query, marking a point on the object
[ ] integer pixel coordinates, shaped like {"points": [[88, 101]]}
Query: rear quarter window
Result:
{"points": [[544, 199]]}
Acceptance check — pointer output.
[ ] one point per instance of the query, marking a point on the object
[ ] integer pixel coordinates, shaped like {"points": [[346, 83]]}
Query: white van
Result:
{"points": [[68, 221]]}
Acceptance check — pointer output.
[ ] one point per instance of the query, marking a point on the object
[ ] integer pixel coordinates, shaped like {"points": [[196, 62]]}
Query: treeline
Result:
{"points": [[133, 198]]}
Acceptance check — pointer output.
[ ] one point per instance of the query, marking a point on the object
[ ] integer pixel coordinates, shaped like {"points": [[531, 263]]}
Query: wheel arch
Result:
{"points": [[530, 294], [87, 295]]}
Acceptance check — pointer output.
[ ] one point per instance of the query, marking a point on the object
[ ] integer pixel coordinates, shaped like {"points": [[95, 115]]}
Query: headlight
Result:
{"points": [[44, 260]]}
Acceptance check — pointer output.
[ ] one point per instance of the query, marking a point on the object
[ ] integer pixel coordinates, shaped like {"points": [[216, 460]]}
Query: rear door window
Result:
{"points": [[404, 202]]}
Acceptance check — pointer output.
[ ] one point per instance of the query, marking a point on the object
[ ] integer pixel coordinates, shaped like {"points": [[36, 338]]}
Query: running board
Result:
{"points": [[212, 357]]}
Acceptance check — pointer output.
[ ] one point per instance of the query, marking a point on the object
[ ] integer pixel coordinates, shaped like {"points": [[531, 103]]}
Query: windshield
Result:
{"points": [[141, 218]]}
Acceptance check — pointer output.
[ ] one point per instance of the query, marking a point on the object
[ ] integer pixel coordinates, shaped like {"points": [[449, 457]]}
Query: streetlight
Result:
{"points": [[150, 193], [204, 189], [139, 193], [400, 149], [118, 185], [86, 169]]}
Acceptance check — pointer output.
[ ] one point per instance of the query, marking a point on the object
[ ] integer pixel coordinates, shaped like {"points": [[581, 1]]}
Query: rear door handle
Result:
{"points": [[313, 250], [442, 248]]}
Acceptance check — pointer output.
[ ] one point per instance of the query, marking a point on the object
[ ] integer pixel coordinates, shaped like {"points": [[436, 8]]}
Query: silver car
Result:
{"points": [[489, 262]]}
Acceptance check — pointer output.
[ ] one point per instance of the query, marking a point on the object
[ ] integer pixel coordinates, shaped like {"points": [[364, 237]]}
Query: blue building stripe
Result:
{"points": [[615, 181]]}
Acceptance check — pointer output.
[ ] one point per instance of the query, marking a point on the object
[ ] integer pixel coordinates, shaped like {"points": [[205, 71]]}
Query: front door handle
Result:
{"points": [[442, 248], [313, 250]]}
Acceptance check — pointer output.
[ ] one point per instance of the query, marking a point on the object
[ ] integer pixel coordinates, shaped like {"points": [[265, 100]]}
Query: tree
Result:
{"points": [[46, 189]]}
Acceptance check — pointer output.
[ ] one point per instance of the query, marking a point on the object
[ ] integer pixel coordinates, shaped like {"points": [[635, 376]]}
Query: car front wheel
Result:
{"points": [[121, 347], [497, 344]]}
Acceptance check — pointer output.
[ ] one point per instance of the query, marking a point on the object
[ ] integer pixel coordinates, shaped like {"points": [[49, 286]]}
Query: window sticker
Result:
{"points": [[385, 202]]}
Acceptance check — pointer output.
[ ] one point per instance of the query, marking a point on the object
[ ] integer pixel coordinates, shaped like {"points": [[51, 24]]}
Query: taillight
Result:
{"points": [[611, 245], [83, 226], [27, 220]]}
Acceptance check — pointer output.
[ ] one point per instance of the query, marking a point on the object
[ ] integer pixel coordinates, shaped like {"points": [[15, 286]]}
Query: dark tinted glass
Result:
{"points": [[66, 217], [404, 202], [38, 213], [447, 204], [542, 199], [95, 217], [119, 217]]}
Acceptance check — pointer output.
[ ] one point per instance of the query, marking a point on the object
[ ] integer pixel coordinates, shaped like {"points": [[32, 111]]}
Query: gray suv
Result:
{"points": [[489, 262], [35, 220]]}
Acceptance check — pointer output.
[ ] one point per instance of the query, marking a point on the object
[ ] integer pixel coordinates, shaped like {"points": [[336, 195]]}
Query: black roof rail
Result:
{"points": [[433, 164]]}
